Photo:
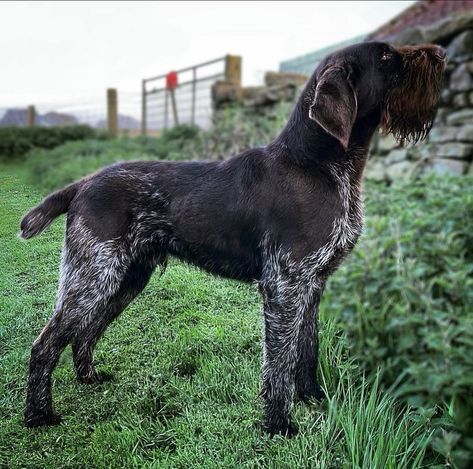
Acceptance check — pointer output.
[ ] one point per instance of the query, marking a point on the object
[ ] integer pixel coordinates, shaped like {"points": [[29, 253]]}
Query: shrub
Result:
{"points": [[15, 142], [405, 299], [180, 134], [237, 128]]}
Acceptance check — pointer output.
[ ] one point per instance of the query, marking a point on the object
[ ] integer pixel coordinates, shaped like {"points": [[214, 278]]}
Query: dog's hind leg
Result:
{"points": [[91, 273], [85, 340], [44, 356]]}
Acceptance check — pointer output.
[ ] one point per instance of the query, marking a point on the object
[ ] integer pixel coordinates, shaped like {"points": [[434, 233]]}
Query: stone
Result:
{"points": [[450, 68], [277, 93], [386, 143], [461, 79], [415, 153], [442, 30], [465, 116], [465, 133], [445, 96], [441, 116], [462, 45], [375, 170], [395, 156], [399, 170], [446, 167], [440, 134], [438, 32], [460, 100], [224, 92], [278, 79], [407, 36], [455, 150], [266, 95], [470, 66], [254, 95]]}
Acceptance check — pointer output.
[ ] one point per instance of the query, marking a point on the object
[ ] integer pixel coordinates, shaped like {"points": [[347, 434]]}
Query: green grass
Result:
{"points": [[186, 355]]}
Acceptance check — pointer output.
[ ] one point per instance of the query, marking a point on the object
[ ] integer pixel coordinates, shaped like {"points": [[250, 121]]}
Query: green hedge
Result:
{"points": [[405, 300], [15, 142]]}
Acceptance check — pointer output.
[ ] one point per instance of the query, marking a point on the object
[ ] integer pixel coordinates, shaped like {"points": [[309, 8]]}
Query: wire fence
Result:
{"points": [[158, 106], [185, 96], [91, 111]]}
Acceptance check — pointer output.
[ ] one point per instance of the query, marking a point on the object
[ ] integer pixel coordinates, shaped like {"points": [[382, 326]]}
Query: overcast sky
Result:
{"points": [[55, 52]]}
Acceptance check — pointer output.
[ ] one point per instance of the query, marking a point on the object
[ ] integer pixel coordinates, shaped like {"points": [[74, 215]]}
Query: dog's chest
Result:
{"points": [[346, 228]]}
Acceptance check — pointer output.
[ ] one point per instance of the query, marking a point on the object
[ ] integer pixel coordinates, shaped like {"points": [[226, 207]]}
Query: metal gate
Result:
{"points": [[185, 96]]}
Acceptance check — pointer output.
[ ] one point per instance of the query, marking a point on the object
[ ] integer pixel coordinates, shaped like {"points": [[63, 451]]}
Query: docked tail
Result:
{"points": [[39, 218]]}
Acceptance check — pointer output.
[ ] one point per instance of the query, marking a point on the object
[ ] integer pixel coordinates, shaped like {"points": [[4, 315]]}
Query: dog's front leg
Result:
{"points": [[284, 309], [280, 359], [307, 385]]}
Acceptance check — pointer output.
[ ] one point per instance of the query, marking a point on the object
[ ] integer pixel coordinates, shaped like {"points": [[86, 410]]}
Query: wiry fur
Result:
{"points": [[283, 216], [409, 111]]}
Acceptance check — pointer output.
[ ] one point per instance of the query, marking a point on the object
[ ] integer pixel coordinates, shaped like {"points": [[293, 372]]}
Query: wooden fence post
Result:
{"points": [[233, 69], [143, 108], [174, 106], [112, 111], [31, 116]]}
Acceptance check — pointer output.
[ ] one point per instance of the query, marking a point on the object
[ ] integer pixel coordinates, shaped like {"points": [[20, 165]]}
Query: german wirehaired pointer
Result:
{"points": [[283, 216]]}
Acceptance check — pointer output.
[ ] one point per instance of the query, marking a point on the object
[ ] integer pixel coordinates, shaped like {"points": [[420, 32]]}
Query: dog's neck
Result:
{"points": [[309, 145]]}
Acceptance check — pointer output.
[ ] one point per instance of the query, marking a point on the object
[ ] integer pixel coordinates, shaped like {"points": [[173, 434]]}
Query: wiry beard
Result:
{"points": [[410, 108]]}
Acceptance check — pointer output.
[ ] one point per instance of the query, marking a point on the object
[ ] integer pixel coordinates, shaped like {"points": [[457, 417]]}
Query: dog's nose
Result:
{"points": [[440, 52]]}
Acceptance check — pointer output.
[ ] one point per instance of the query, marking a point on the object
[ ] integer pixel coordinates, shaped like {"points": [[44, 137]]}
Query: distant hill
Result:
{"points": [[51, 119], [124, 122], [14, 117]]}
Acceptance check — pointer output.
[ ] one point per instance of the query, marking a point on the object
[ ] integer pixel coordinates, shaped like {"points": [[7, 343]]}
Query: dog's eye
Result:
{"points": [[386, 55]]}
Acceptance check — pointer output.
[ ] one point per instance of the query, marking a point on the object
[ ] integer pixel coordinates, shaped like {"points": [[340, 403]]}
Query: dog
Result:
{"points": [[283, 216]]}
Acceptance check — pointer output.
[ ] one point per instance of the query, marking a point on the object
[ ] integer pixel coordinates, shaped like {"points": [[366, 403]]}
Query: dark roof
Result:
{"points": [[422, 13]]}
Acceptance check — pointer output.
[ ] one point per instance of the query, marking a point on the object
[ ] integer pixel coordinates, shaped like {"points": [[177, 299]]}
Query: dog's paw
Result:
{"points": [[97, 377], [285, 429], [316, 394], [41, 419]]}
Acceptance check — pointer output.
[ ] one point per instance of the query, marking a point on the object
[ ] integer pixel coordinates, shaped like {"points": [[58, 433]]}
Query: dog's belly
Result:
{"points": [[237, 263], [216, 234]]}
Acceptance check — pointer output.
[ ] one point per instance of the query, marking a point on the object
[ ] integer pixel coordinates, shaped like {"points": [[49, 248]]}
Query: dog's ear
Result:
{"points": [[334, 107]]}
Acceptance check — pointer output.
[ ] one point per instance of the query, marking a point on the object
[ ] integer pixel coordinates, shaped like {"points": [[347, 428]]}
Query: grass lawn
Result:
{"points": [[186, 359]]}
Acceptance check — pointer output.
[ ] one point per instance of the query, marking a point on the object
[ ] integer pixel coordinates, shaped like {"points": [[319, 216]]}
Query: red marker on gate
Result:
{"points": [[171, 81], [171, 85]]}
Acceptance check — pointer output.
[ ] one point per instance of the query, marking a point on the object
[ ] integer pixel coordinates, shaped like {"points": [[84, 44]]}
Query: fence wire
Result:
{"points": [[91, 111], [151, 110], [193, 97]]}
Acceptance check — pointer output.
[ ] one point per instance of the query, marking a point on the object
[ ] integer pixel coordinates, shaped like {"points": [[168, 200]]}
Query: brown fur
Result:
{"points": [[410, 109]]}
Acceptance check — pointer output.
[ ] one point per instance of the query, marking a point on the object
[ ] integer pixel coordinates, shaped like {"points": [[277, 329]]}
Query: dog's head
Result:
{"points": [[399, 86]]}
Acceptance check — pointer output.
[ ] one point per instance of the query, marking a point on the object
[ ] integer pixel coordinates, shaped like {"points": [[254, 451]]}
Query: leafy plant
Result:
{"points": [[405, 299], [15, 142]]}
